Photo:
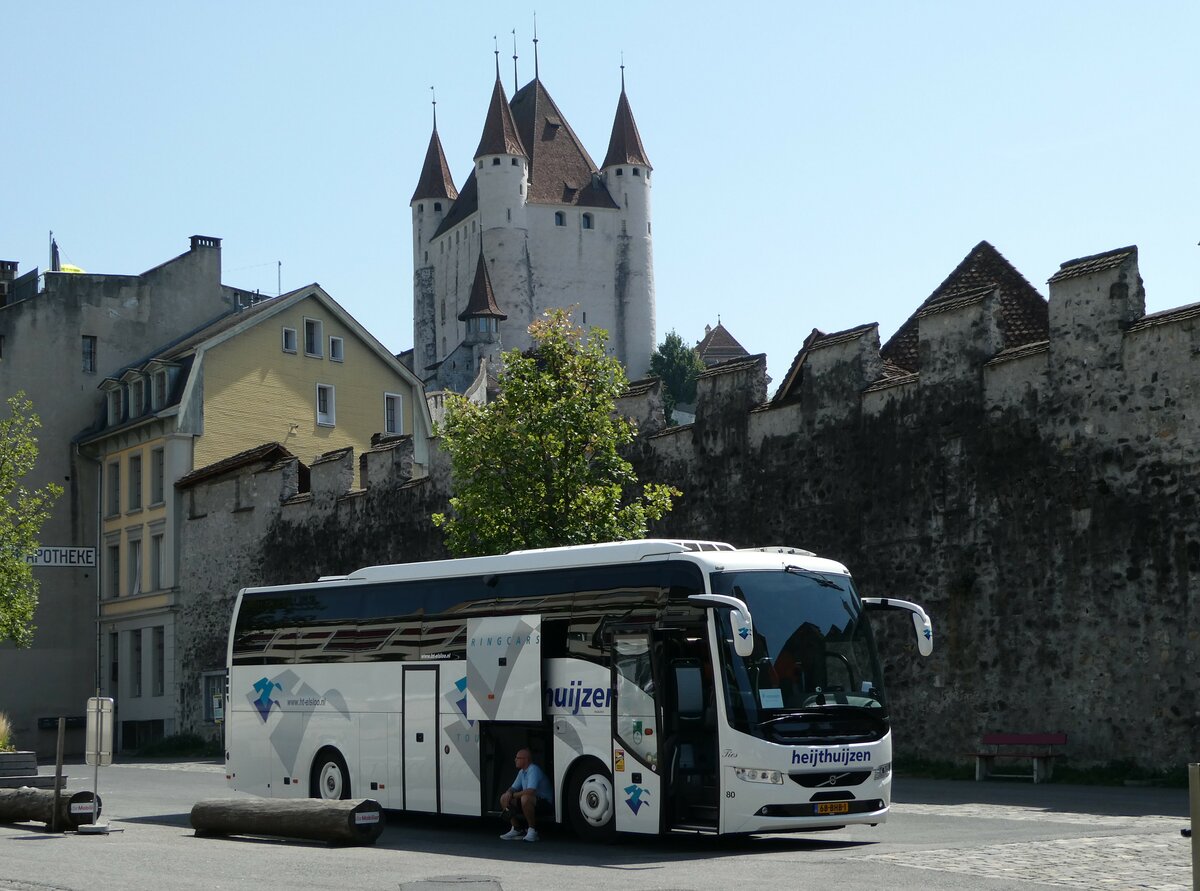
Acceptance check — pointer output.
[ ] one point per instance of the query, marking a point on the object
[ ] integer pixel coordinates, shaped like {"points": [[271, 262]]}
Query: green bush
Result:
{"points": [[6, 740]]}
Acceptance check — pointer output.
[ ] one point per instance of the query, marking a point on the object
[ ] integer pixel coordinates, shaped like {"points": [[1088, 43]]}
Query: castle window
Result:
{"points": [[420, 208], [508, 213], [636, 172], [587, 221], [647, 228], [480, 163], [427, 256], [437, 205], [620, 171], [560, 218], [495, 162], [514, 160]]}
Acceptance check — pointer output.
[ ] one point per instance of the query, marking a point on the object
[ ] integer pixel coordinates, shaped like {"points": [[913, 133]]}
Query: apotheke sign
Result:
{"points": [[82, 557]]}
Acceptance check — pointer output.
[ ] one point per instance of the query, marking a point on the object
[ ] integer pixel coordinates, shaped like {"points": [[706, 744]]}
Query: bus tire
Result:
{"points": [[591, 801], [330, 778]]}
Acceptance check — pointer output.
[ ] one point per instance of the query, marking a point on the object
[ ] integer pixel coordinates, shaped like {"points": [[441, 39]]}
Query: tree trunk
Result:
{"points": [[351, 822], [37, 805]]}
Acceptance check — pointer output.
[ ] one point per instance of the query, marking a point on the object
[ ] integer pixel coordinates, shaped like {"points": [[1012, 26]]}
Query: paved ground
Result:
{"points": [[942, 835]]}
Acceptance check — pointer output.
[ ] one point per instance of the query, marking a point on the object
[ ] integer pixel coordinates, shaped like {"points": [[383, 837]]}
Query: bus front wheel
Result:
{"points": [[330, 778], [591, 802]]}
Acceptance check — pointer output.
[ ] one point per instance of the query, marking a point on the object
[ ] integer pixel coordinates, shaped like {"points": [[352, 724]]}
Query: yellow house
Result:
{"points": [[295, 370]]}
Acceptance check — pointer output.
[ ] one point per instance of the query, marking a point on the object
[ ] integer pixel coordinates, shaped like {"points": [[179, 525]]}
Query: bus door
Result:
{"points": [[637, 786], [419, 730]]}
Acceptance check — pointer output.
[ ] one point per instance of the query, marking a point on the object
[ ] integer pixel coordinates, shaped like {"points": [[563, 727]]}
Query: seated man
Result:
{"points": [[520, 802]]}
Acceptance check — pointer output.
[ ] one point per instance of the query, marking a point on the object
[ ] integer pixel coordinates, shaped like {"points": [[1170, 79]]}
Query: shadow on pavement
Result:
{"points": [[1116, 801]]}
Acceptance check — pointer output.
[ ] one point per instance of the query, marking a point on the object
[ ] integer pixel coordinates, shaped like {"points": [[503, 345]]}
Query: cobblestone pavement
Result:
{"points": [[1143, 852]]}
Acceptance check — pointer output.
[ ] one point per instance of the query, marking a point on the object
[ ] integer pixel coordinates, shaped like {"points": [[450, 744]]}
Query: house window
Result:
{"points": [[112, 660], [135, 482], [157, 555], [326, 413], [114, 570], [335, 349], [114, 489], [135, 675], [587, 221], [137, 396], [393, 413], [560, 218], [114, 406], [158, 389], [289, 340], [135, 566], [312, 337], [158, 476], [160, 661], [89, 354]]}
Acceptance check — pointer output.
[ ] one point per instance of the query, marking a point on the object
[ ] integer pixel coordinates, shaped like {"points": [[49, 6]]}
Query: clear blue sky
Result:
{"points": [[816, 165]]}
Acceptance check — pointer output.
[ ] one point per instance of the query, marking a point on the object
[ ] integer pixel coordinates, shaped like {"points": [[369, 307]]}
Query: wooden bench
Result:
{"points": [[1038, 748]]}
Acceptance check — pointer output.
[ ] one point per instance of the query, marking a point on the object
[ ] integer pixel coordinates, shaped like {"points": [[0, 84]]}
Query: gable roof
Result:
{"points": [[435, 181], [560, 169], [1094, 263], [267, 454], [718, 345], [625, 143], [1024, 313]]}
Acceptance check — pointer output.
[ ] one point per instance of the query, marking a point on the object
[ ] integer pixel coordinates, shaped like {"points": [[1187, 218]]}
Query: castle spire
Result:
{"points": [[435, 181], [500, 135], [625, 144], [482, 303]]}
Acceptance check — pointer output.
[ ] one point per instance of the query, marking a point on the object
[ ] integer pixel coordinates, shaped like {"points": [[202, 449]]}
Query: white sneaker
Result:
{"points": [[513, 835], [531, 835]]}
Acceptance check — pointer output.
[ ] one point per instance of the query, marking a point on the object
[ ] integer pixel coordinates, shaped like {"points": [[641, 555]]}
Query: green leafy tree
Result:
{"points": [[678, 366], [22, 513], [540, 466]]}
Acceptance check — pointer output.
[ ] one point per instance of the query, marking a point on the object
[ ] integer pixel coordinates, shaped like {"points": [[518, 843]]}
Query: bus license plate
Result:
{"points": [[833, 807]]}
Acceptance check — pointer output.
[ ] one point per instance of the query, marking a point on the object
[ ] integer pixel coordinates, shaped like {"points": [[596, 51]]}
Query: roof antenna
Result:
{"points": [[516, 85], [535, 57], [433, 94], [496, 43]]}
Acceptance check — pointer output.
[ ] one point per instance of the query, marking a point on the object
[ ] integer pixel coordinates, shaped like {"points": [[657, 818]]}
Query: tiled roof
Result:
{"points": [[1094, 263], [483, 298], [640, 387], [499, 132], [1028, 349], [1024, 316], [435, 181], [462, 208], [560, 169], [1166, 317], [625, 143], [718, 345], [733, 365], [269, 453]]}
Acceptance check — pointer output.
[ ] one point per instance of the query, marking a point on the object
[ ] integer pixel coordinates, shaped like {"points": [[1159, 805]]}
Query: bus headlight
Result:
{"points": [[882, 772], [757, 775]]}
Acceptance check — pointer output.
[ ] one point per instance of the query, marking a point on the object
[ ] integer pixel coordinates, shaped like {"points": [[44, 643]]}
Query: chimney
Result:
{"points": [[8, 270], [199, 241]]}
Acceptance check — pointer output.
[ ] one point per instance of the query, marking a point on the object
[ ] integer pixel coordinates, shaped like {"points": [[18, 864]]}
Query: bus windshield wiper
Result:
{"points": [[822, 580]]}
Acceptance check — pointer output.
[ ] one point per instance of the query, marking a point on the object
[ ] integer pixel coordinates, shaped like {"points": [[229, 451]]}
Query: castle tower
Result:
{"points": [[482, 317], [430, 203], [627, 173], [551, 228]]}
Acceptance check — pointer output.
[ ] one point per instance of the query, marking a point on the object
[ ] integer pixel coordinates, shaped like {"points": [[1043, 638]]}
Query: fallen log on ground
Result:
{"points": [[27, 804], [350, 822]]}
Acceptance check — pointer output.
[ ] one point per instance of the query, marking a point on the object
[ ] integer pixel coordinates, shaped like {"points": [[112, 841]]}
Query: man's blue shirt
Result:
{"points": [[532, 777]]}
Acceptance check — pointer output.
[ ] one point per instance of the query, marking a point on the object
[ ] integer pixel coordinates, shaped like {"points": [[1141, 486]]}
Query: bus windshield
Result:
{"points": [[814, 673]]}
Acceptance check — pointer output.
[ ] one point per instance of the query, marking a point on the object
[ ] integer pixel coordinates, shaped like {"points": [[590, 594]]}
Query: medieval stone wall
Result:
{"points": [[1040, 502]]}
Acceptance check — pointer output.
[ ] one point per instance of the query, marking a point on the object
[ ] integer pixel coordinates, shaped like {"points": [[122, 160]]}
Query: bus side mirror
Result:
{"points": [[921, 623], [739, 618]]}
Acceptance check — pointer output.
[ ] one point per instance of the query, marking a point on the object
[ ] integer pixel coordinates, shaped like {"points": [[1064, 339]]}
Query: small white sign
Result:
{"points": [[70, 557], [82, 807], [362, 819], [771, 697]]}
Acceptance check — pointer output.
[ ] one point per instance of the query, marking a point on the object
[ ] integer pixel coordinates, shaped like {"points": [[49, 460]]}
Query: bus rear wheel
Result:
{"points": [[330, 778], [591, 802]]}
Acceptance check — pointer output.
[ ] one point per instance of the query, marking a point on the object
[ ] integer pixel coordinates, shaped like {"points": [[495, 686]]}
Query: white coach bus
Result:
{"points": [[661, 685]]}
